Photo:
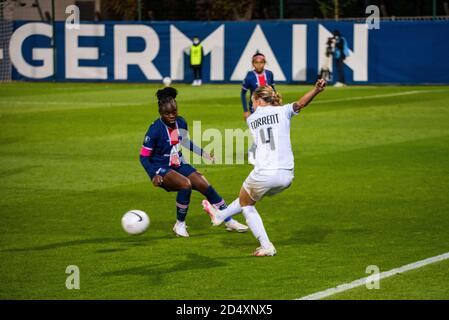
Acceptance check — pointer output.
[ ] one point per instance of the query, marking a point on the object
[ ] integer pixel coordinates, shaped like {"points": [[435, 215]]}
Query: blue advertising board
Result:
{"points": [[398, 52]]}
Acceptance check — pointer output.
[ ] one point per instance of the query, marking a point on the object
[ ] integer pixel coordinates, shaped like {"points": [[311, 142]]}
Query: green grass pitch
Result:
{"points": [[371, 188]]}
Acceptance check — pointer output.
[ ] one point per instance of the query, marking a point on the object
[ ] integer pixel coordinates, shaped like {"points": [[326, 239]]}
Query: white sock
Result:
{"points": [[254, 222], [231, 210]]}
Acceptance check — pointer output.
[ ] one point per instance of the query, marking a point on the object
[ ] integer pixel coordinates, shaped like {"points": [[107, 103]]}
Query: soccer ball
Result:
{"points": [[166, 81], [135, 222]]}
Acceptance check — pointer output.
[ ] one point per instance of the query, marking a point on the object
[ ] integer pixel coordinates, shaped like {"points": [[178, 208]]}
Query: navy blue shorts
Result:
{"points": [[184, 169]]}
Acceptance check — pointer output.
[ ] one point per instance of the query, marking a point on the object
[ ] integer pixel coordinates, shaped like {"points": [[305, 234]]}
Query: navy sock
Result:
{"points": [[182, 203], [214, 198]]}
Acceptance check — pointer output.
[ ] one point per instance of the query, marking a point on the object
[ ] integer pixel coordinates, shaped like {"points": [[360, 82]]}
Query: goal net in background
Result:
{"points": [[6, 30]]}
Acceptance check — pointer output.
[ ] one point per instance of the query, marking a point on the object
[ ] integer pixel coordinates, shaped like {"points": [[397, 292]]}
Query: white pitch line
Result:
{"points": [[382, 275]]}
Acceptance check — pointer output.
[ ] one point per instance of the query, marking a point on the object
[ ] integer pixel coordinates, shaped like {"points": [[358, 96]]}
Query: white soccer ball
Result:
{"points": [[166, 81], [135, 222]]}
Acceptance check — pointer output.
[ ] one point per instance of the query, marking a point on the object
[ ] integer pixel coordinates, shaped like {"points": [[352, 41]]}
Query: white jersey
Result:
{"points": [[270, 128]]}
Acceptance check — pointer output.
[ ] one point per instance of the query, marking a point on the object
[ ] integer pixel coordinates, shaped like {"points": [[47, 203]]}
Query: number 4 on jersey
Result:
{"points": [[266, 136]]}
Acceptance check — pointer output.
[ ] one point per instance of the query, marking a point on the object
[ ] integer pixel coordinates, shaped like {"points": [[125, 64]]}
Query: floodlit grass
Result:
{"points": [[371, 188]]}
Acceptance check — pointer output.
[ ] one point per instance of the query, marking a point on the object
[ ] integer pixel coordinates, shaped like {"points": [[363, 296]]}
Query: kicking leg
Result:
{"points": [[234, 208], [231, 210], [200, 183]]}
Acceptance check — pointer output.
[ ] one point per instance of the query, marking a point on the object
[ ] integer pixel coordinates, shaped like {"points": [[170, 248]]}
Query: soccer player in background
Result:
{"points": [[162, 159], [273, 172], [259, 76]]}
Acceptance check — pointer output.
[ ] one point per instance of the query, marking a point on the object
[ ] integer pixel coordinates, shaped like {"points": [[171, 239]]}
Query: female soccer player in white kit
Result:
{"points": [[273, 172]]}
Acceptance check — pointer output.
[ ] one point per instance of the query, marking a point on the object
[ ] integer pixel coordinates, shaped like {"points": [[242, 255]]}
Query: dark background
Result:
{"points": [[267, 9]]}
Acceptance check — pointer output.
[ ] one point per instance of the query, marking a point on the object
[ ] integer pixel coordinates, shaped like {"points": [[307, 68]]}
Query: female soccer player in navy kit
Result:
{"points": [[162, 159], [254, 79]]}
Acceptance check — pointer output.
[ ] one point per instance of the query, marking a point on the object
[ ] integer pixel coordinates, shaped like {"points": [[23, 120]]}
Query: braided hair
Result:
{"points": [[166, 96], [268, 94]]}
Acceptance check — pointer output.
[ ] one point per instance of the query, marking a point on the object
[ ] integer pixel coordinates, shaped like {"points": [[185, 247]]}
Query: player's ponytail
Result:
{"points": [[166, 96], [268, 94], [277, 98]]}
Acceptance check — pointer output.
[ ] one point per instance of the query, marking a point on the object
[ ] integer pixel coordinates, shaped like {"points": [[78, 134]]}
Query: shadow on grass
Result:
{"points": [[309, 236], [112, 250], [156, 272], [79, 242], [131, 241], [312, 235], [316, 234], [12, 172]]}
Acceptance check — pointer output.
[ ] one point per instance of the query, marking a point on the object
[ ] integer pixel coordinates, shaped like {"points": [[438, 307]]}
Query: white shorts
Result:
{"points": [[267, 183]]}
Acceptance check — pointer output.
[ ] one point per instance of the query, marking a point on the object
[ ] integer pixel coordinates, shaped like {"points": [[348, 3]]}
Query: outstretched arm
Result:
{"points": [[308, 97], [187, 143]]}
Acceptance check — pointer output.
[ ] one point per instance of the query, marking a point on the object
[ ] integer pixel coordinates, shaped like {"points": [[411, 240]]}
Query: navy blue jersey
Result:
{"points": [[162, 145], [252, 81]]}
